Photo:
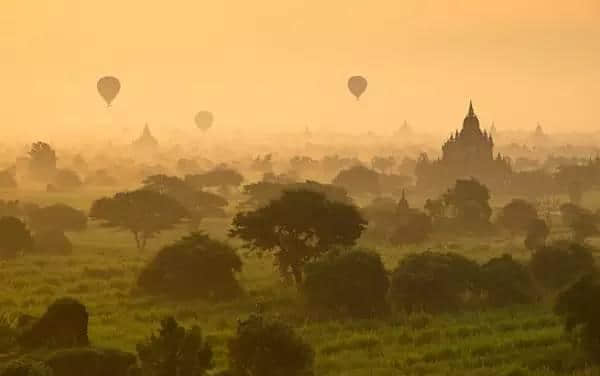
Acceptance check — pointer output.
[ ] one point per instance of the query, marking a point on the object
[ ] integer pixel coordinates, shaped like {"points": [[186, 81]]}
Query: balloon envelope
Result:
{"points": [[108, 87], [357, 85], [204, 120]]}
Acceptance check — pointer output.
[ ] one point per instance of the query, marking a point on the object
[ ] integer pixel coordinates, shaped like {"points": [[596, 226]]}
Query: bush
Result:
{"points": [[560, 263], [175, 351], [353, 283], [506, 282], [63, 325], [579, 306], [52, 242], [433, 281], [263, 347], [91, 362], [195, 266], [25, 367], [14, 237]]}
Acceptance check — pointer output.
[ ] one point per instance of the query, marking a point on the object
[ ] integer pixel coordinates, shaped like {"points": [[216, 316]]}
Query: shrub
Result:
{"points": [[433, 281], [353, 283], [25, 367], [560, 263], [506, 282], [52, 242], [90, 361], [175, 351], [63, 325], [14, 237], [579, 306], [263, 347], [195, 266]]}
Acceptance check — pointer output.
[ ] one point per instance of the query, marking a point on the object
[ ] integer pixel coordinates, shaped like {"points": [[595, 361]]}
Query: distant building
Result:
{"points": [[468, 153], [146, 144]]}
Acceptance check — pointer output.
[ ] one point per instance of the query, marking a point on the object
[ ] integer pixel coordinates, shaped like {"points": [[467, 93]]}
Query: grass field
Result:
{"points": [[103, 268]]}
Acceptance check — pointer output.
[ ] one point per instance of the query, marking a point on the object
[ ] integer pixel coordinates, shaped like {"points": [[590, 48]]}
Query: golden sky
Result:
{"points": [[283, 64]]}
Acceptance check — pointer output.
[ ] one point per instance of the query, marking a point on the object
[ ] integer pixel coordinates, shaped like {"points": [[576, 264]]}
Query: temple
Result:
{"points": [[146, 143], [467, 153]]}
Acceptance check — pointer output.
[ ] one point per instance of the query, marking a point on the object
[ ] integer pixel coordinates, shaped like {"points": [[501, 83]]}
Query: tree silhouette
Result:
{"points": [[144, 213], [298, 227]]}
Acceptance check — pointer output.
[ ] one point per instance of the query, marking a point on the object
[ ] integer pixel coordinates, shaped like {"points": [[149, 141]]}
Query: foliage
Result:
{"points": [[91, 361], [412, 227], [66, 180], [195, 266], [64, 324], [199, 204], [264, 347], [506, 282], [358, 180], [25, 367], [470, 201], [58, 217], [14, 237], [537, 233], [52, 242], [219, 177], [297, 228], [560, 263], [42, 163], [517, 216], [175, 351], [8, 179], [582, 222], [579, 307], [433, 281], [352, 283], [143, 212], [261, 193]]}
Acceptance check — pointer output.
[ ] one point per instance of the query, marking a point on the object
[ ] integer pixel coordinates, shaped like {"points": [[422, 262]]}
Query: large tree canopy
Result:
{"points": [[144, 212], [298, 227]]}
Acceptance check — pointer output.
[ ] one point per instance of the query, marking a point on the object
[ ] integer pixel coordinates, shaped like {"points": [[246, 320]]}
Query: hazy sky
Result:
{"points": [[280, 64]]}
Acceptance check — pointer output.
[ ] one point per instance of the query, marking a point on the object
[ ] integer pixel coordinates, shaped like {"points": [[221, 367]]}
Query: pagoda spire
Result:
{"points": [[471, 111]]}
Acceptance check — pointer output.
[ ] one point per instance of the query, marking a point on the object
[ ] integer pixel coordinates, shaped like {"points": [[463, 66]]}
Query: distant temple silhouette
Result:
{"points": [[146, 143], [468, 153]]}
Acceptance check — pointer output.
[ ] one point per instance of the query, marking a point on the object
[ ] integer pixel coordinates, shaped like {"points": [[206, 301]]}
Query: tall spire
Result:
{"points": [[471, 111]]}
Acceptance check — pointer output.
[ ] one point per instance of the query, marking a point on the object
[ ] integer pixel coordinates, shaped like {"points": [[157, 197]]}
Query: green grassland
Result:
{"points": [[102, 271]]}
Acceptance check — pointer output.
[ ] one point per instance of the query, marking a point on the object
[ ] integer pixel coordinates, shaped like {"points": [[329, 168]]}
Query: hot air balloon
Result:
{"points": [[204, 120], [108, 87], [357, 85]]}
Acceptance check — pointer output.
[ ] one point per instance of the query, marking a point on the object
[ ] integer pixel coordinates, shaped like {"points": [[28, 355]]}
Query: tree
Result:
{"points": [[517, 216], [219, 177], [470, 201], [579, 308], [412, 228], [14, 237], [537, 233], [433, 281], [8, 179], [42, 164], [383, 164], [264, 347], [175, 351], [65, 324], [199, 204], [560, 263], [25, 367], [358, 180], [67, 180], [352, 283], [582, 222], [435, 208], [58, 217], [144, 213], [575, 190], [51, 222], [298, 227], [194, 266], [506, 282]]}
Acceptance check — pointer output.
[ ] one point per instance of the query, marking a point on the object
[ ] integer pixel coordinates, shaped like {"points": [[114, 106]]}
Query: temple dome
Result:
{"points": [[471, 122]]}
